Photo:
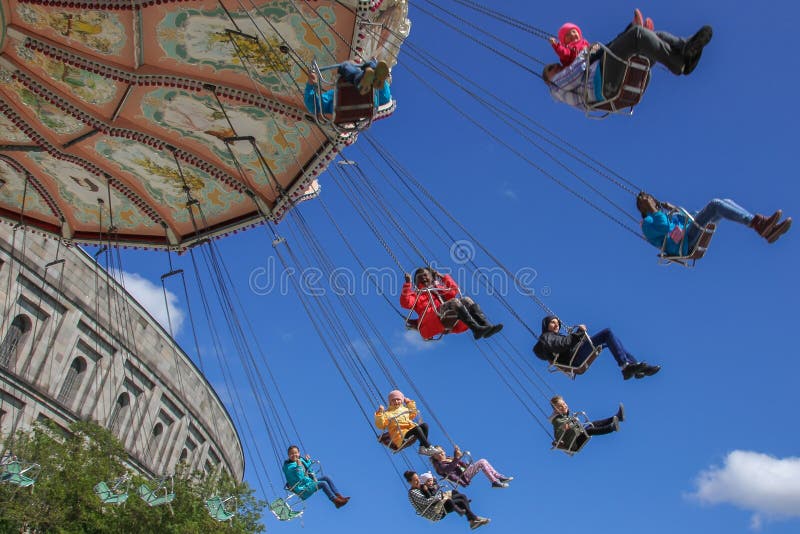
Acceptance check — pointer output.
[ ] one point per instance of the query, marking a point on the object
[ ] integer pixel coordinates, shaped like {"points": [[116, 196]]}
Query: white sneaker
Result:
{"points": [[427, 451], [478, 522]]}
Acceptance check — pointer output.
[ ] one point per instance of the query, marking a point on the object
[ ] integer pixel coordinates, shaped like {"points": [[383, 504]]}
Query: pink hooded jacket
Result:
{"points": [[568, 52]]}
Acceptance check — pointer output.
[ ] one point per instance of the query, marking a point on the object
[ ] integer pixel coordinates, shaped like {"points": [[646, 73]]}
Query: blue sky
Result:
{"points": [[722, 331]]}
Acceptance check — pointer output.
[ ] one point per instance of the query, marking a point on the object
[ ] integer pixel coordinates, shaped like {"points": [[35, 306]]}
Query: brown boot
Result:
{"points": [[365, 85], [340, 501], [764, 225], [779, 229]]}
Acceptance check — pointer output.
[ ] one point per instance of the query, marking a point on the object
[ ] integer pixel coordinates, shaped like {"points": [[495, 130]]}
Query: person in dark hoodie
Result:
{"points": [[555, 347], [304, 483]]}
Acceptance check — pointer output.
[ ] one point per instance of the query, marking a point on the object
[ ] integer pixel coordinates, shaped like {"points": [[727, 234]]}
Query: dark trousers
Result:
{"points": [[459, 503], [421, 432], [466, 310], [600, 427], [658, 47], [605, 337]]}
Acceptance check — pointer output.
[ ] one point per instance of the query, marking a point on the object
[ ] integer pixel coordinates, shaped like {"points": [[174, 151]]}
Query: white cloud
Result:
{"points": [[151, 297], [763, 484], [508, 192], [412, 342]]}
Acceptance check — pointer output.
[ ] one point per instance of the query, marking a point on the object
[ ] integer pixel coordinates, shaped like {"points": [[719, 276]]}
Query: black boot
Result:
{"points": [[480, 318], [479, 330], [477, 313]]}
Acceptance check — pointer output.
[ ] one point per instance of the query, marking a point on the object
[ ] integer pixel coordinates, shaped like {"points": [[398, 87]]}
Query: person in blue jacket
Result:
{"points": [[301, 481], [663, 225], [372, 74]]}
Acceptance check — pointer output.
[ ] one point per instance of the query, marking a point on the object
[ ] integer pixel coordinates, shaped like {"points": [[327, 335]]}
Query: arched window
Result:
{"points": [[73, 381], [184, 456], [20, 326], [121, 408]]}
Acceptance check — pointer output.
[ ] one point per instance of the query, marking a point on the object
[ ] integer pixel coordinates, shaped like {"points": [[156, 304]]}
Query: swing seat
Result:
{"points": [[697, 252], [453, 480], [572, 370], [620, 97], [386, 440], [216, 508], [448, 320], [412, 324], [283, 511], [19, 473], [109, 496], [572, 442], [152, 498], [352, 110]]}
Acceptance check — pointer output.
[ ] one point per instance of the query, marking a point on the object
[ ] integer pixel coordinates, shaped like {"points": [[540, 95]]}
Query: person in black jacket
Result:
{"points": [[555, 347], [570, 433]]}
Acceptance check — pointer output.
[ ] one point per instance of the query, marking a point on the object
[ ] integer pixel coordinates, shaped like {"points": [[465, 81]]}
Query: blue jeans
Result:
{"points": [[353, 72], [715, 211], [605, 337], [327, 486]]}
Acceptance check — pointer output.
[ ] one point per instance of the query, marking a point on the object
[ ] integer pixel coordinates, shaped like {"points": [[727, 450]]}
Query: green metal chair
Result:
{"points": [[19, 473], [158, 496], [115, 494], [282, 509], [216, 508]]}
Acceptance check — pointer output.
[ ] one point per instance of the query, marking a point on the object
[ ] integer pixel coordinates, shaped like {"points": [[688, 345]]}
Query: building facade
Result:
{"points": [[74, 345]]}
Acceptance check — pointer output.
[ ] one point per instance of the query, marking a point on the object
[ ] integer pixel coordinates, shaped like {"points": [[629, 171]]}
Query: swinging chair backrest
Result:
{"points": [[217, 510], [351, 109], [283, 511], [567, 367], [624, 84], [385, 438], [116, 494], [573, 439], [158, 496], [454, 479], [282, 507], [19, 473], [448, 318], [697, 251]]}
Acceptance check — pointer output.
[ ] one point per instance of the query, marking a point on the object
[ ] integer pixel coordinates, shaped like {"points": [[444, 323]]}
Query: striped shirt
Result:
{"points": [[571, 85]]}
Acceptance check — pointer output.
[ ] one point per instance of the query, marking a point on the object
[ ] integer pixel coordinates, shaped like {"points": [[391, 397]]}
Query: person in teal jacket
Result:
{"points": [[363, 75], [301, 481], [664, 225]]}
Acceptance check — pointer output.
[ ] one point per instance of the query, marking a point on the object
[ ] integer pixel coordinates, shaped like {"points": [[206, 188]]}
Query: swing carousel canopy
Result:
{"points": [[165, 122]]}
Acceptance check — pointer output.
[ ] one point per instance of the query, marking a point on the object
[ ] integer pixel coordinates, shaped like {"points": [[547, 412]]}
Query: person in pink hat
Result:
{"points": [[570, 40], [398, 420], [570, 43]]}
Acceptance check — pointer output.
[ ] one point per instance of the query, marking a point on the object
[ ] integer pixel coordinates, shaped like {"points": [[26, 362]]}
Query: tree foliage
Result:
{"points": [[63, 500]]}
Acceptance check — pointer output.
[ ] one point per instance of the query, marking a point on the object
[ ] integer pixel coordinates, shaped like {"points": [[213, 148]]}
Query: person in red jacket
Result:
{"points": [[570, 43], [439, 308]]}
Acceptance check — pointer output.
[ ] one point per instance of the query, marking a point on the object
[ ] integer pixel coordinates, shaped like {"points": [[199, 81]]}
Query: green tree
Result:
{"points": [[63, 500]]}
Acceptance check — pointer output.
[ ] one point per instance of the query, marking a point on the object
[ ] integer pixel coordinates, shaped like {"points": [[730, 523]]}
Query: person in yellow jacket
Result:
{"points": [[398, 419]]}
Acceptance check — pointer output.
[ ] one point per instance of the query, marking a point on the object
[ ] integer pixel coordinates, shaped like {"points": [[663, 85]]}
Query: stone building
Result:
{"points": [[74, 345]]}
